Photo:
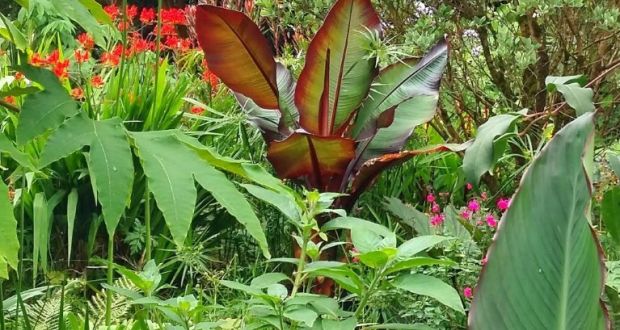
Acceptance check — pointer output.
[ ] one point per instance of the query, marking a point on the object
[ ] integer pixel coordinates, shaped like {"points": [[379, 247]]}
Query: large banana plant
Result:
{"points": [[344, 120]]}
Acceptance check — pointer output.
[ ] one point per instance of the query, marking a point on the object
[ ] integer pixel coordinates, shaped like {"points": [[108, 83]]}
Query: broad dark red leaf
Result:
{"points": [[351, 68], [238, 53]]}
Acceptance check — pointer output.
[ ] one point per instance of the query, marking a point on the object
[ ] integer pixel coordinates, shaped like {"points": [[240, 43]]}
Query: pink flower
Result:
{"points": [[465, 214], [491, 221], [436, 208], [503, 204], [430, 198], [484, 260], [483, 196], [437, 219], [473, 205], [469, 186], [467, 292]]}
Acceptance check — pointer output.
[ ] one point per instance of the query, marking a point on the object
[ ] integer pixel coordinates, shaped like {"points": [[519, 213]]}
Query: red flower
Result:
{"points": [[9, 99], [86, 41], [147, 15], [211, 78], [173, 16], [249, 7], [96, 81], [168, 29], [467, 292], [37, 60], [186, 44], [81, 56], [132, 12], [139, 45], [77, 93], [112, 11], [196, 110], [171, 41], [19, 76], [110, 59], [53, 57], [123, 26], [60, 69]]}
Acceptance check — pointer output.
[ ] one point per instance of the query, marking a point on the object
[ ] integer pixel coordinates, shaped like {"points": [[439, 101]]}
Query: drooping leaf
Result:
{"points": [[227, 195], [170, 178], [579, 98], [8, 147], [432, 287], [8, 233], [319, 158], [350, 68], [480, 156], [371, 169], [71, 136], [418, 244], [8, 31], [610, 213], [401, 81], [79, 13], [267, 279], [301, 314], [97, 11], [544, 269], [46, 109], [282, 202], [237, 52], [111, 168], [417, 262]]}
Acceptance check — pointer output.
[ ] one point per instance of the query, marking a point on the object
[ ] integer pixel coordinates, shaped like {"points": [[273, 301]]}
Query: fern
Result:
{"points": [[120, 304]]}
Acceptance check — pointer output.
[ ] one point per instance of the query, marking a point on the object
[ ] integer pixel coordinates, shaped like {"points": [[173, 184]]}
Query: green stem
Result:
{"points": [[147, 222], [108, 300], [301, 265], [368, 294]]}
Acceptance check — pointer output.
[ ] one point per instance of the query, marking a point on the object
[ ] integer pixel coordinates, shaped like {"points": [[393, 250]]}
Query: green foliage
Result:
{"points": [[8, 234]]}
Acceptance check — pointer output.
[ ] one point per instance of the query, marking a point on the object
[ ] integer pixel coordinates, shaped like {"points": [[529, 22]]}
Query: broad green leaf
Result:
{"points": [[227, 195], [409, 215], [238, 53], [419, 244], [432, 287], [417, 262], [23, 3], [610, 213], [322, 305], [579, 98], [277, 290], [282, 202], [375, 259], [268, 279], [241, 287], [480, 157], [344, 276], [301, 314], [40, 234], [346, 324], [46, 109], [544, 269], [8, 234], [111, 168], [169, 170], [77, 11], [8, 147], [72, 201], [399, 326], [352, 222], [97, 11], [10, 32], [400, 82], [71, 136], [339, 66]]}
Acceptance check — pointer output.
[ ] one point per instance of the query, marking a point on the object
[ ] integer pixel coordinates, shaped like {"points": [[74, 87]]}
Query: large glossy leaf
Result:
{"points": [[579, 98], [432, 287], [8, 233], [170, 178], [71, 136], [6, 146], [46, 109], [400, 82], [544, 269], [238, 53], [111, 168], [318, 158], [350, 68], [480, 156], [8, 31]]}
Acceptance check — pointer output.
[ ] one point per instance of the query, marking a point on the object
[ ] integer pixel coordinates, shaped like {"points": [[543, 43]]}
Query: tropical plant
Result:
{"points": [[343, 121]]}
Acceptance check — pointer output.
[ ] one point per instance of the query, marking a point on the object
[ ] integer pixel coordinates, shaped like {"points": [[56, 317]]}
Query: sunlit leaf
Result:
{"points": [[432, 287], [8, 234]]}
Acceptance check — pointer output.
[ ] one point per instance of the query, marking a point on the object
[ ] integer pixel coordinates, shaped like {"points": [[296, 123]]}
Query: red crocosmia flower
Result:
{"points": [[112, 11], [139, 45], [467, 292], [147, 15], [9, 99], [196, 110], [168, 29], [110, 59], [19, 76], [77, 93], [123, 26], [96, 81], [186, 44], [81, 56], [118, 51], [132, 12], [86, 41], [211, 78], [37, 60], [171, 41], [173, 16], [53, 57], [249, 7], [60, 69]]}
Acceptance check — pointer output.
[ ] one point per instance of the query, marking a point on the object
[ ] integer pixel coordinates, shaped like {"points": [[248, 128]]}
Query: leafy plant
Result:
{"points": [[343, 122]]}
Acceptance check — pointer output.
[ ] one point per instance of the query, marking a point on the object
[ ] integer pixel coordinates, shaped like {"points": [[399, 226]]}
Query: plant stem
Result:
{"points": [[368, 293], [301, 264], [147, 222], [108, 298]]}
